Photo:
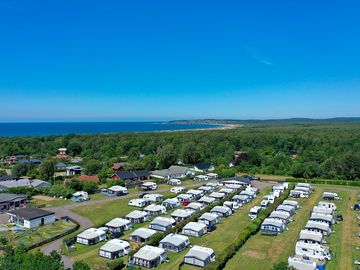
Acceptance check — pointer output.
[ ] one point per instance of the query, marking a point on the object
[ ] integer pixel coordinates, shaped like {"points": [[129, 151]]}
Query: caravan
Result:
{"points": [[327, 205], [139, 202], [330, 196], [80, 196], [313, 251], [264, 204], [301, 264], [254, 212]]}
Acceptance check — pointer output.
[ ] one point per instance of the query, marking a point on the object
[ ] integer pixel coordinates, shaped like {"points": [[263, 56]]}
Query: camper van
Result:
{"points": [[264, 204], [139, 202], [330, 196], [254, 212], [301, 264], [327, 205], [313, 251]]}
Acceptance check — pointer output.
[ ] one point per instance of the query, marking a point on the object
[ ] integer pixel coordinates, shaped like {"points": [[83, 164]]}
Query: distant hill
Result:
{"points": [[269, 122]]}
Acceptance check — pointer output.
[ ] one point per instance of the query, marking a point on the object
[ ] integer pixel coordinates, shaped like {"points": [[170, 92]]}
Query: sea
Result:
{"points": [[62, 128]]}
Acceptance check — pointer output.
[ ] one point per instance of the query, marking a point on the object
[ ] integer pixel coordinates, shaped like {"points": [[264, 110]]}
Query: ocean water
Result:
{"points": [[57, 128]]}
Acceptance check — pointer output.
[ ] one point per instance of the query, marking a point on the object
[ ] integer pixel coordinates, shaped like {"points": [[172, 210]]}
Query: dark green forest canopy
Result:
{"points": [[324, 150]]}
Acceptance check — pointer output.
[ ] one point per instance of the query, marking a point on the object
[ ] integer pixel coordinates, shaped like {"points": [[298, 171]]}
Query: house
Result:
{"points": [[118, 167], [301, 263], [154, 197], [281, 215], [174, 182], [227, 191], [138, 202], [180, 214], [73, 170], [206, 200], [162, 224], [31, 217], [60, 166], [174, 242], [88, 178], [286, 208], [38, 184], [10, 160], [141, 235], [195, 193], [114, 191], [91, 237], [148, 186], [200, 256], [322, 218], [212, 175], [30, 161], [209, 219], [137, 216], [311, 237], [271, 226], [149, 256], [221, 211], [171, 203], [201, 178], [218, 196], [235, 181], [23, 182], [317, 226], [62, 153], [173, 172], [194, 229], [9, 201], [194, 207], [312, 251], [204, 167], [114, 249], [80, 196], [242, 199], [118, 225], [133, 176], [206, 189], [155, 210]]}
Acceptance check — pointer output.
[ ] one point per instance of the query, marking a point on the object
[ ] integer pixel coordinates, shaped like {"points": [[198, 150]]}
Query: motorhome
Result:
{"points": [[270, 198], [139, 202], [313, 251], [330, 196], [254, 211], [301, 264]]}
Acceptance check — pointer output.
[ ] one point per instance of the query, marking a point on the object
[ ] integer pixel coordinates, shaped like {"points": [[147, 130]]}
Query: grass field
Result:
{"points": [[261, 252], [38, 234]]}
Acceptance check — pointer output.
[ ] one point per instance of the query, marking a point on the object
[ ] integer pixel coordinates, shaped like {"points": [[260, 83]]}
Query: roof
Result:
{"points": [[206, 199], [201, 253], [7, 178], [317, 224], [208, 216], [7, 197], [125, 175], [326, 217], [173, 170], [143, 232], [240, 179], [91, 233], [30, 213], [16, 183], [203, 166], [89, 178], [142, 173], [181, 213], [272, 222], [60, 165], [175, 239], [217, 195], [115, 245], [149, 253], [117, 166], [36, 183], [280, 214], [310, 235], [163, 221], [136, 214], [117, 188], [117, 222], [154, 207], [194, 226], [221, 209]]}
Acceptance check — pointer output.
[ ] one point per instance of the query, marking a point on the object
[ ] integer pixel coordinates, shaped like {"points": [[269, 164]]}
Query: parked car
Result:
{"points": [[339, 217]]}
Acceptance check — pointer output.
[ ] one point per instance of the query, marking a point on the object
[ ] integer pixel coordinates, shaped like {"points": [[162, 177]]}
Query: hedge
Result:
{"points": [[244, 235], [354, 183]]}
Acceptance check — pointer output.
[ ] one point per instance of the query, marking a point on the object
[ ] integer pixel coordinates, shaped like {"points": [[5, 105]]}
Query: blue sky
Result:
{"points": [[159, 60]]}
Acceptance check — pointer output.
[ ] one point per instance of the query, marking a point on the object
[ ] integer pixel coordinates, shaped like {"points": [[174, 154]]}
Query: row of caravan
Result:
{"points": [[301, 190], [311, 251]]}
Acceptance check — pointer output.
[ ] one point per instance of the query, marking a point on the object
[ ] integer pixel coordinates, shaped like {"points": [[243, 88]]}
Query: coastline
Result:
{"points": [[219, 127]]}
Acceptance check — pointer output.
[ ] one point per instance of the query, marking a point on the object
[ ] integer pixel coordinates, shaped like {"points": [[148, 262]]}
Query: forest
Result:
{"points": [[327, 151]]}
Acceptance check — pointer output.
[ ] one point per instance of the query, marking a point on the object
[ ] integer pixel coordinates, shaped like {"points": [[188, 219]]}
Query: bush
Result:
{"points": [[116, 265]]}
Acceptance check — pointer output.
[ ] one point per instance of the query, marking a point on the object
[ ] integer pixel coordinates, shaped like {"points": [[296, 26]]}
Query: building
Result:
{"points": [[91, 237], [149, 256], [73, 170], [194, 229], [171, 203], [7, 178], [38, 184], [155, 210], [62, 153], [200, 256], [221, 211], [180, 214], [204, 167], [173, 172], [114, 191], [9, 201], [118, 225], [209, 219], [30, 217], [137, 216], [118, 167], [174, 242], [162, 224], [23, 182], [131, 176], [114, 249], [141, 235], [60, 166], [235, 181], [272, 226]]}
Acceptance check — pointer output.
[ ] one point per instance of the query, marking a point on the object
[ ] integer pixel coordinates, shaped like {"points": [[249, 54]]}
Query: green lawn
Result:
{"points": [[46, 201], [38, 234]]}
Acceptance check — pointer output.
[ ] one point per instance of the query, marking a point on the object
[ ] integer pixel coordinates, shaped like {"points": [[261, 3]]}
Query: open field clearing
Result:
{"points": [[261, 252]]}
